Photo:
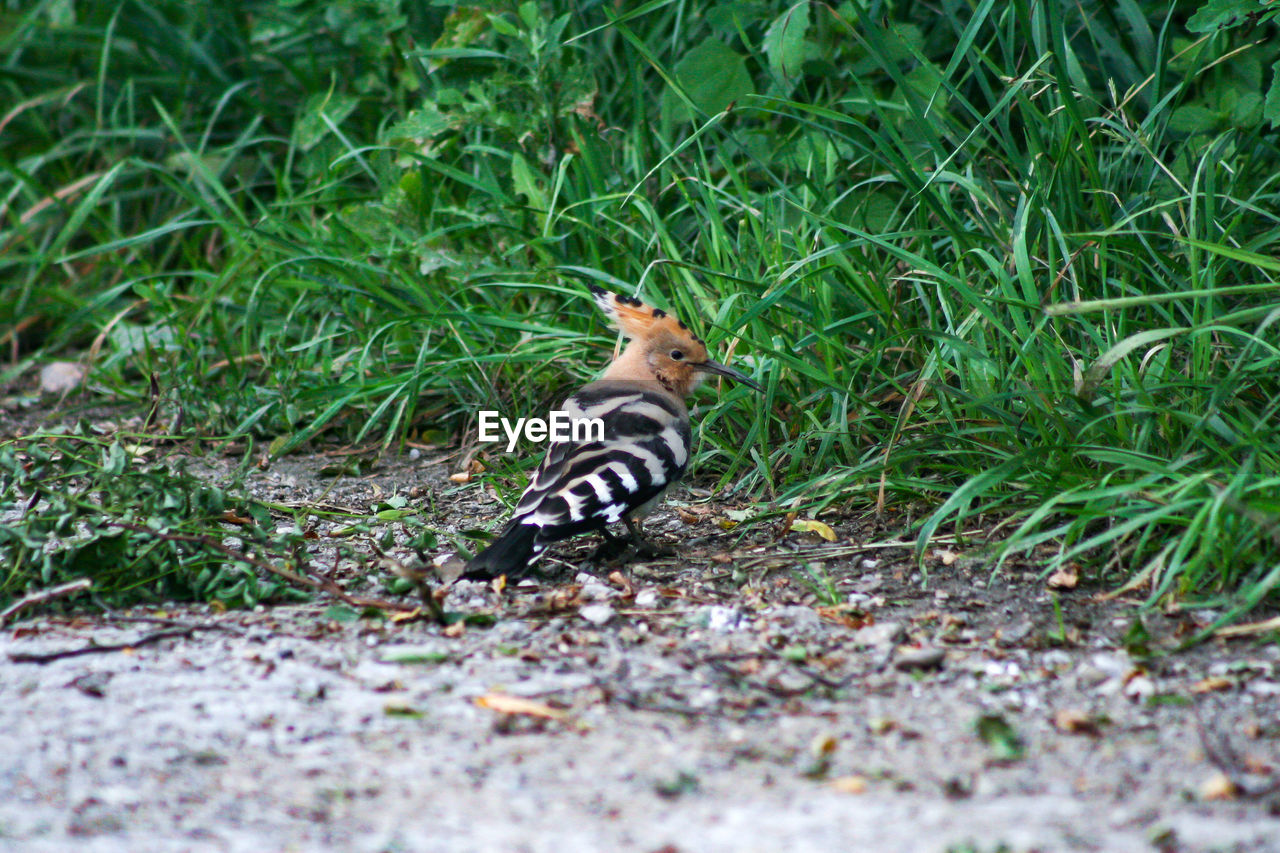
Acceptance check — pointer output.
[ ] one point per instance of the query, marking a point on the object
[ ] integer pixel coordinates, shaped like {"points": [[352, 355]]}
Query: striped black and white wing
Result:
{"points": [[584, 485]]}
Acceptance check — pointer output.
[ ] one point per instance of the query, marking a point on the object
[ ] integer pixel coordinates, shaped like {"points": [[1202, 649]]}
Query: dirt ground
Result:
{"points": [[762, 691]]}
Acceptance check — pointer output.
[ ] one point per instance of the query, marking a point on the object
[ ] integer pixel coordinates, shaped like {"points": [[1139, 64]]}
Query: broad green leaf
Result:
{"points": [[784, 43], [461, 28], [313, 126], [1271, 107], [1193, 118], [1219, 14], [713, 76], [422, 123], [1247, 111], [528, 183]]}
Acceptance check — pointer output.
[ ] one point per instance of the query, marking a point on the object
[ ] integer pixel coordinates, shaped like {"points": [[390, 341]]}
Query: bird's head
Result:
{"points": [[663, 346]]}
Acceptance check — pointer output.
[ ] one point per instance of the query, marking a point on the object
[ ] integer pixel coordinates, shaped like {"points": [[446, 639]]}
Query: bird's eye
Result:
{"points": [[676, 355]]}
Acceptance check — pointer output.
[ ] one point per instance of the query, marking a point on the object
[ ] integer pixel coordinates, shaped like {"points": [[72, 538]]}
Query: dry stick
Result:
{"points": [[177, 623], [41, 596], [48, 657]]}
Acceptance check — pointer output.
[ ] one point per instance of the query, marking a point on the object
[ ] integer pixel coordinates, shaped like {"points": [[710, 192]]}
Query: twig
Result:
{"points": [[43, 595], [177, 623], [48, 657]]}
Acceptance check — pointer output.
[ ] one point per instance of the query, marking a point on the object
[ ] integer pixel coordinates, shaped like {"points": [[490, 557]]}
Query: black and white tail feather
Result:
{"points": [[583, 486]]}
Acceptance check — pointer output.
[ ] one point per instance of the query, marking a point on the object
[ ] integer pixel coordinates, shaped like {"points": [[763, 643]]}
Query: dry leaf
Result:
{"points": [[823, 745], [686, 516], [850, 784], [621, 581], [504, 704], [406, 616], [455, 630], [947, 557], [1065, 578], [1218, 786], [809, 525], [1075, 722], [847, 615], [1212, 684], [460, 477], [726, 524]]}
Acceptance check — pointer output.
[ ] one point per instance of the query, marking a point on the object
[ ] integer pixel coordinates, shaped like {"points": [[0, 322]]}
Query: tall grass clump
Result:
{"points": [[1004, 266]]}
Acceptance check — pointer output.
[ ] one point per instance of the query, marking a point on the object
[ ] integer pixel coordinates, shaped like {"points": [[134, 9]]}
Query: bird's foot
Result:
{"points": [[619, 550], [646, 550], [612, 549]]}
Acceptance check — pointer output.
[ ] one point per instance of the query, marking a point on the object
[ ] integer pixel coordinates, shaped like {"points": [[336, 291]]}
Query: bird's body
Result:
{"points": [[585, 485]]}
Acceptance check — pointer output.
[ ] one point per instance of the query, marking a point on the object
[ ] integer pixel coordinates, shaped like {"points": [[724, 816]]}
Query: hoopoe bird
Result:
{"points": [[586, 485]]}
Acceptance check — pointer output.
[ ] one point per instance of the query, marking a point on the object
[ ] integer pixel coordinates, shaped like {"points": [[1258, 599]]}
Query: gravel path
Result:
{"points": [[709, 703], [298, 732]]}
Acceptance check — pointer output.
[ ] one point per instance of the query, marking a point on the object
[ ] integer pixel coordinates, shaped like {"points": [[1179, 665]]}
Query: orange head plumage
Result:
{"points": [[662, 348]]}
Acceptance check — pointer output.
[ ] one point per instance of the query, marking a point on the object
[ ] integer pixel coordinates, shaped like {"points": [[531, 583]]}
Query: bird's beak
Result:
{"points": [[725, 370]]}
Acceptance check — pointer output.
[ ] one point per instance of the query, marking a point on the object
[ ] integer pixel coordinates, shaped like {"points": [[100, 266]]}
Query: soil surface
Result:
{"points": [[764, 690]]}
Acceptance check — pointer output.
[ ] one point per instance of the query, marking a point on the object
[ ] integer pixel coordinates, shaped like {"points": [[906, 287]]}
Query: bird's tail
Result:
{"points": [[509, 554]]}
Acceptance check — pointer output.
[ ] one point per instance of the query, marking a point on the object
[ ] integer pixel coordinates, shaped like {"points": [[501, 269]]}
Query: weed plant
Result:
{"points": [[1004, 263]]}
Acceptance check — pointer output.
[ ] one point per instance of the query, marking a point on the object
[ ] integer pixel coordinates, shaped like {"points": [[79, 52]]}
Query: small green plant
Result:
{"points": [[75, 506], [823, 585]]}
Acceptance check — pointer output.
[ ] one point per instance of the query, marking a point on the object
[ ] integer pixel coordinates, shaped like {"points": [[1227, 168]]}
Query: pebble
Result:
{"points": [[716, 617], [1016, 634], [794, 617], [596, 614], [60, 377], [927, 657], [595, 591], [1140, 688], [647, 598], [880, 634]]}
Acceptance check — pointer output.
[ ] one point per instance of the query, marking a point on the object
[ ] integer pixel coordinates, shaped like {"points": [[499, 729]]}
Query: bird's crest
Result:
{"points": [[635, 319]]}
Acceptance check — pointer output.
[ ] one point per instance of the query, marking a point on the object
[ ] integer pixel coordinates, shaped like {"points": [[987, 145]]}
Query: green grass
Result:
{"points": [[1014, 262]]}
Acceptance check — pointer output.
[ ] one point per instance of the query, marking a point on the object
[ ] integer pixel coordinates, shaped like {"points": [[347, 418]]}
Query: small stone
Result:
{"points": [[715, 617], [795, 618], [647, 598], [1016, 634], [596, 614], [880, 634], [926, 657], [595, 591], [788, 681], [1140, 688], [60, 377]]}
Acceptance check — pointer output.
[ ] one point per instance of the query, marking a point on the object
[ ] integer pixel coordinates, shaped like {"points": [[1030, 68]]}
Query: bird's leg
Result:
{"points": [[643, 547], [610, 549]]}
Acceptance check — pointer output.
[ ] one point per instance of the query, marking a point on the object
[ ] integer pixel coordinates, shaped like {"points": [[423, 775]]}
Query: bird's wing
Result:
{"points": [[640, 448]]}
